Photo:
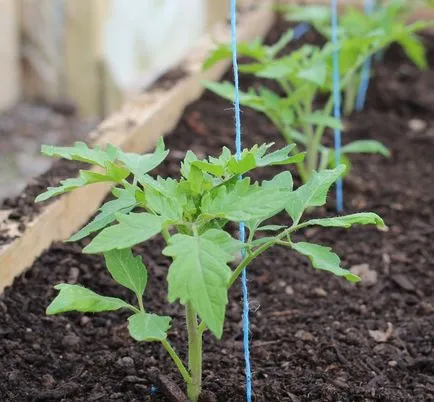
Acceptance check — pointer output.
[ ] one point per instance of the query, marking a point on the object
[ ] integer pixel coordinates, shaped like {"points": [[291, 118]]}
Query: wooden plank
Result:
{"points": [[9, 54], [82, 83], [42, 49], [135, 128]]}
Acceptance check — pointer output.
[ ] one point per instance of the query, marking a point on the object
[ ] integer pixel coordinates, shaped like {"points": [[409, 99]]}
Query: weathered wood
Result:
{"points": [[134, 128], [9, 54], [81, 58]]}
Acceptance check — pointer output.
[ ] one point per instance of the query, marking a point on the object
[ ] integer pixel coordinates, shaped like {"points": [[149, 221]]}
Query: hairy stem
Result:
{"points": [[194, 354]]}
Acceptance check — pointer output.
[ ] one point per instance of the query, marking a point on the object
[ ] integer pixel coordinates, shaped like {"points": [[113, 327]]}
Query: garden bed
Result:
{"points": [[310, 332]]}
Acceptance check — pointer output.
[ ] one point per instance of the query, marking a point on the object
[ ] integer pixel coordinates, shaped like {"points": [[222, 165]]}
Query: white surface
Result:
{"points": [[144, 38]]}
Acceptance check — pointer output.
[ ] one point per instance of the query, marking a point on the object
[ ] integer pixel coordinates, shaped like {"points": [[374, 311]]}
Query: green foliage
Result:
{"points": [[148, 327], [324, 259], [361, 34], [193, 214], [301, 76], [78, 298]]}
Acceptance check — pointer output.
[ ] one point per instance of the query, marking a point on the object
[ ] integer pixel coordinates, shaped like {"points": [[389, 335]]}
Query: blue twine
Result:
{"points": [[337, 102], [366, 69], [248, 372], [300, 30], [153, 390]]}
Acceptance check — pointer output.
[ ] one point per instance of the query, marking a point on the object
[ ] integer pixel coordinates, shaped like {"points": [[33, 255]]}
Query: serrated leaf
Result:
{"points": [[366, 147], [244, 202], [78, 298], [127, 270], [282, 180], [66, 186], [215, 170], [80, 152], [243, 165], [148, 327], [361, 218], [324, 259], [313, 193], [280, 157], [132, 229], [199, 275], [124, 204], [141, 164], [85, 177], [168, 207]]}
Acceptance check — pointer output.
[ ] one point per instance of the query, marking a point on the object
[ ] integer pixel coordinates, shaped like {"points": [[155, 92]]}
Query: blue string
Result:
{"points": [[337, 101], [242, 227], [366, 69], [300, 30]]}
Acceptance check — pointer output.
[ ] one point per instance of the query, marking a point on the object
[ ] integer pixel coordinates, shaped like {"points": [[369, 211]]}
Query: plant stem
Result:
{"points": [[177, 361], [194, 354]]}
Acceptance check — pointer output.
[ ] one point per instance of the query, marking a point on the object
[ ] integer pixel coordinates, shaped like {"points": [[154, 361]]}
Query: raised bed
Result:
{"points": [[26, 229], [312, 335]]}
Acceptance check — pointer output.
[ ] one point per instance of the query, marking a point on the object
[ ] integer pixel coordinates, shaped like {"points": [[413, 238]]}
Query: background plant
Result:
{"points": [[387, 24], [192, 215], [301, 76]]}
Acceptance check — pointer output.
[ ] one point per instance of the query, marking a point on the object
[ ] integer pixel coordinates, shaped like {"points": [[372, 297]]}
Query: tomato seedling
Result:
{"points": [[192, 214]]}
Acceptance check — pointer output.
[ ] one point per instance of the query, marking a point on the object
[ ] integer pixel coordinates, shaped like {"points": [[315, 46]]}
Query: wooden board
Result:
{"points": [[135, 128], [9, 54]]}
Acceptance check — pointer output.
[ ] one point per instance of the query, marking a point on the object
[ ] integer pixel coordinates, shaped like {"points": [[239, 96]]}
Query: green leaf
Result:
{"points": [[280, 157], [271, 228], [245, 164], [313, 193], [366, 147], [81, 152], [148, 327], [312, 14], [78, 298], [168, 207], [321, 119], [86, 177], [244, 202], [414, 49], [280, 44], [125, 203], [253, 49], [127, 270], [66, 186], [322, 258], [226, 90], [315, 74], [199, 275], [132, 229], [282, 180], [141, 164], [361, 218], [215, 170]]}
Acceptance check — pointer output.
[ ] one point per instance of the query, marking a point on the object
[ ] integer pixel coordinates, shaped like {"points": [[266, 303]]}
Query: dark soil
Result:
{"points": [[311, 333]]}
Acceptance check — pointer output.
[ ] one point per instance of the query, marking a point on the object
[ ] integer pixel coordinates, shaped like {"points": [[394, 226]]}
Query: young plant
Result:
{"points": [[192, 214], [357, 32], [301, 77]]}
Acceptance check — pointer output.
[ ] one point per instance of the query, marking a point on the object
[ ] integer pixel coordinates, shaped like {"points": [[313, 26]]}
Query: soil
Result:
{"points": [[313, 337], [23, 128]]}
